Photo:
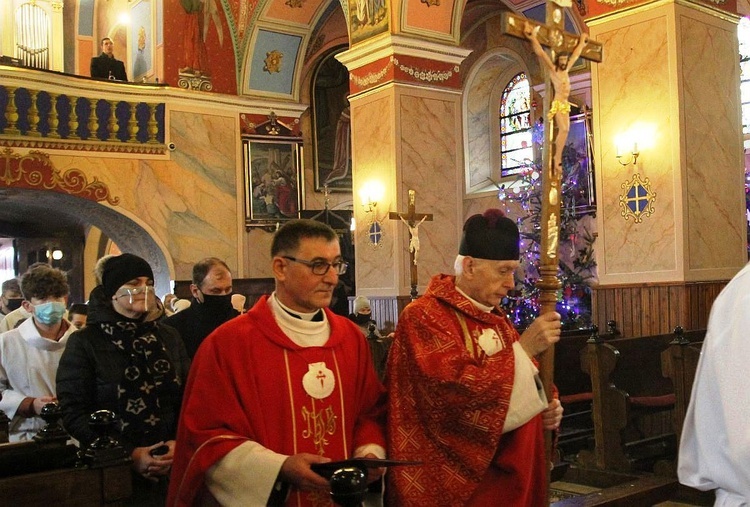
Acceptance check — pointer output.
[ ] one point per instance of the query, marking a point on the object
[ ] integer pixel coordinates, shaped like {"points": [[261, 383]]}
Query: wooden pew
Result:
{"points": [[679, 363], [632, 403], [574, 387], [48, 471]]}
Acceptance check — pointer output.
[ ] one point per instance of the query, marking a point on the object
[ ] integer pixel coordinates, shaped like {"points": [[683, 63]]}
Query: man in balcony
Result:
{"points": [[106, 66]]}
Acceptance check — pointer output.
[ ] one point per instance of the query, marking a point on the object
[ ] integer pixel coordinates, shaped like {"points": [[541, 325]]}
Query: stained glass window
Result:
{"points": [[515, 128]]}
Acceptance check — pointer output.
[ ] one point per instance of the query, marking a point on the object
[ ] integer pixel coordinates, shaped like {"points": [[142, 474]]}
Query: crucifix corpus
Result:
{"points": [[564, 49], [413, 220]]}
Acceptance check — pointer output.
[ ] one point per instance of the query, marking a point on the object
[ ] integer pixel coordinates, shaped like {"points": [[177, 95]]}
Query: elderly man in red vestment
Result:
{"points": [[280, 388], [464, 394]]}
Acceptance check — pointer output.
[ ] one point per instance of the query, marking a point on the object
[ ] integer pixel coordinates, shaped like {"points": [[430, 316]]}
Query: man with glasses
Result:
{"points": [[285, 386]]}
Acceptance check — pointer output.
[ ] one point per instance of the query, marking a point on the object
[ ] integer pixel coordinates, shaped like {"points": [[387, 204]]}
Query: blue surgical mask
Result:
{"points": [[49, 313]]}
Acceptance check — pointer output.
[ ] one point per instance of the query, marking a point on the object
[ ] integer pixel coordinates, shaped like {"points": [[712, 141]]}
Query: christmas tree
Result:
{"points": [[577, 267]]}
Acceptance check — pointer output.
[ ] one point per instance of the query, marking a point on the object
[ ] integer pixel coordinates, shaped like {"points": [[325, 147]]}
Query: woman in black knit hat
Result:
{"points": [[125, 362]]}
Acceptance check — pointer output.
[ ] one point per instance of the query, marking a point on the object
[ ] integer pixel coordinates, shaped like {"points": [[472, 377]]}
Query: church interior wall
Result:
{"points": [[669, 108], [432, 164], [373, 148], [713, 167], [629, 247]]}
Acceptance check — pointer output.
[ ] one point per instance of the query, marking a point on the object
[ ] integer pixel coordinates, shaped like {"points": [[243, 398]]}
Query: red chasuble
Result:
{"points": [[249, 381], [448, 400]]}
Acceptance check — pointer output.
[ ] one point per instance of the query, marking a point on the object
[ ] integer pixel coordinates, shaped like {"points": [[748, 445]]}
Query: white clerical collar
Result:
{"points": [[317, 315], [305, 333], [484, 308]]}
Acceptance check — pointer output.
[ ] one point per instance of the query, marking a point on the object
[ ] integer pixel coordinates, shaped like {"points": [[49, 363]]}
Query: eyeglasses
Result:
{"points": [[321, 267]]}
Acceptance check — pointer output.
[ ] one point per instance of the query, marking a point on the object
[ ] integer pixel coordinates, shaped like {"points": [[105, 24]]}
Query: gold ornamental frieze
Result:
{"points": [[35, 171]]}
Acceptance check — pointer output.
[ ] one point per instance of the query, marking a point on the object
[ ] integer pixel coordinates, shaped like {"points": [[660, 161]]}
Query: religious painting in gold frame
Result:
{"points": [[332, 126], [273, 180]]}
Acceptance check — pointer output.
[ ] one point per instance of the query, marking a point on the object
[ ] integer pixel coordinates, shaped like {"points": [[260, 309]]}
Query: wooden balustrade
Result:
{"points": [[36, 118]]}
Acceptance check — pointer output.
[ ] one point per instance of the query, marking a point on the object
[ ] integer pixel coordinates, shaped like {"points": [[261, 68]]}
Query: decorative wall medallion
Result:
{"points": [[35, 171], [375, 234], [272, 63], [638, 200]]}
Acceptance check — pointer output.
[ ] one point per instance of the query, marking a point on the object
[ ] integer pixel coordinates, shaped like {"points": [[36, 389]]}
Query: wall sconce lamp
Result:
{"points": [[370, 194], [630, 157], [370, 206]]}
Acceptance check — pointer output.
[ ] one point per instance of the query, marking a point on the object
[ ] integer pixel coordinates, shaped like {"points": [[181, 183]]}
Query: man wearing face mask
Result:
{"points": [[211, 304], [10, 297], [34, 346], [12, 312]]}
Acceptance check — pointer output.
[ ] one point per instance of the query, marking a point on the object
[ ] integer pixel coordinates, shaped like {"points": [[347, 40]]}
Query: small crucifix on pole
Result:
{"points": [[564, 48], [413, 220]]}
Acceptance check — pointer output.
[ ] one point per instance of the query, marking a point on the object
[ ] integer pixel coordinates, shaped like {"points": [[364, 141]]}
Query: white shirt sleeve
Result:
{"points": [[527, 398], [246, 476], [715, 444]]}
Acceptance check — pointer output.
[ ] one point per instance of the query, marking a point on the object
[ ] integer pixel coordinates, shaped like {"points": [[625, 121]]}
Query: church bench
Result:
{"points": [[632, 404], [73, 487], [679, 363], [574, 388]]}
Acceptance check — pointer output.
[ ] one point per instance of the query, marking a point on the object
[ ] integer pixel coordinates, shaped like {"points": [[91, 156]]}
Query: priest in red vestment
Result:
{"points": [[464, 394], [280, 388]]}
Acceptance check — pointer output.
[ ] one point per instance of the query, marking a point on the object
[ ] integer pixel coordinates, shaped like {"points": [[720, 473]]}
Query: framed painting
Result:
{"points": [[273, 180], [332, 126], [578, 163]]}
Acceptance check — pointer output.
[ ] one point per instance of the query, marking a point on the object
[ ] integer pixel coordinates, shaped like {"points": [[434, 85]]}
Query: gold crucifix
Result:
{"points": [[560, 44], [413, 220]]}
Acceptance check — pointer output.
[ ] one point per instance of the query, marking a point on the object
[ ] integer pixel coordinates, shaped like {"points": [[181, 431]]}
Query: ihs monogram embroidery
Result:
{"points": [[320, 424], [318, 381]]}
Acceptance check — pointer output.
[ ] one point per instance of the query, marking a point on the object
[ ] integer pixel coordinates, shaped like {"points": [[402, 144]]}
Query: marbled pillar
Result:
{"points": [[670, 74], [406, 135]]}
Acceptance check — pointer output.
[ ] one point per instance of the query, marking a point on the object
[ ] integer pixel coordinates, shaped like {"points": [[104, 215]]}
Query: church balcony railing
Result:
{"points": [[53, 110]]}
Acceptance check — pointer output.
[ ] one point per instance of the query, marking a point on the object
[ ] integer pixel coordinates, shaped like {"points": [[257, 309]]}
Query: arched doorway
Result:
{"points": [[27, 214]]}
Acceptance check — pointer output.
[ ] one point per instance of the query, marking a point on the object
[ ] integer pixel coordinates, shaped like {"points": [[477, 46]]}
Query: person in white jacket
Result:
{"points": [[30, 353], [715, 444]]}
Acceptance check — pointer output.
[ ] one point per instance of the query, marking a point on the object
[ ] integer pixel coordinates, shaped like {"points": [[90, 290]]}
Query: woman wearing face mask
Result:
{"points": [[29, 354], [210, 307], [124, 361]]}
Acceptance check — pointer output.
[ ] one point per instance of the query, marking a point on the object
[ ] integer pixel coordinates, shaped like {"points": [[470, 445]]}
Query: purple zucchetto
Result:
{"points": [[491, 236]]}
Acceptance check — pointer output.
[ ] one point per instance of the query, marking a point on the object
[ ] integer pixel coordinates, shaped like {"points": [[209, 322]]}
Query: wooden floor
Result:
{"points": [[563, 490]]}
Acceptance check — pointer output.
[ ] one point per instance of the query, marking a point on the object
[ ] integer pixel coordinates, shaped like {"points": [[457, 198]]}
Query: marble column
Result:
{"points": [[670, 83], [406, 125]]}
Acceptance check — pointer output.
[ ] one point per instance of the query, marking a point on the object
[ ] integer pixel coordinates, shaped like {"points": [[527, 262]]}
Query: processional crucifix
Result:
{"points": [[413, 220], [557, 65]]}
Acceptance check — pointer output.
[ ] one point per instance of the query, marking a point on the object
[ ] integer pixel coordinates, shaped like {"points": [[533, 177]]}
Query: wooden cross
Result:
{"points": [[552, 36], [413, 220]]}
